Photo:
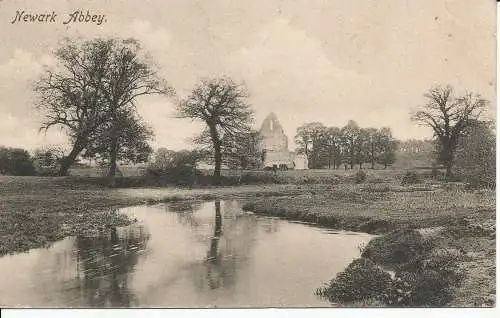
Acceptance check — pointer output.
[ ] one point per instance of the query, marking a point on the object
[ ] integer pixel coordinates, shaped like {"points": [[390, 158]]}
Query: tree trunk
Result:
{"points": [[372, 157], [217, 154], [449, 173], [67, 161], [447, 156], [113, 157]]}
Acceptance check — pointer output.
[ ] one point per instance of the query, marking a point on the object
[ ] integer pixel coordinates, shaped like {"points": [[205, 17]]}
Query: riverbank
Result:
{"points": [[458, 220]]}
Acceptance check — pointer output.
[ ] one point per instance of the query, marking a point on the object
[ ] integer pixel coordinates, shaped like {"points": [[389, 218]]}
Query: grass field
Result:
{"points": [[35, 211]]}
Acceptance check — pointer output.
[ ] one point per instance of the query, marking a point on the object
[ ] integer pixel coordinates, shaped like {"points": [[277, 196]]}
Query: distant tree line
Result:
{"points": [[349, 145]]}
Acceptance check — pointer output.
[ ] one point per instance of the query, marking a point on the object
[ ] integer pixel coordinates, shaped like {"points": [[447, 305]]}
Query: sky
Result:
{"points": [[323, 61]]}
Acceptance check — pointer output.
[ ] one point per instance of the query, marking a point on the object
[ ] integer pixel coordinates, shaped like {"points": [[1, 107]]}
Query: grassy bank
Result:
{"points": [[459, 221]]}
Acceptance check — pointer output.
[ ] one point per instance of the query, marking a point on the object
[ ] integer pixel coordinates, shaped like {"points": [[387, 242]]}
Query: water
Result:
{"points": [[209, 254]]}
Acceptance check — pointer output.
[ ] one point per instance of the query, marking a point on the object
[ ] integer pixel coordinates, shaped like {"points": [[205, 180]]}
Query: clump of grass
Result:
{"points": [[427, 281], [397, 247], [362, 280], [410, 177]]}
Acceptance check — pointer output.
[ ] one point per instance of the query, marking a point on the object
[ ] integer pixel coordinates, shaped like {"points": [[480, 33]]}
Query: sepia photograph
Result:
{"points": [[248, 154]]}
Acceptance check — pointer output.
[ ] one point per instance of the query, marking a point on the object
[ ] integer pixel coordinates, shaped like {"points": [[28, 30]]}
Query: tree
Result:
{"points": [[311, 140], [386, 147], [361, 146], [132, 138], [475, 154], [47, 160], [333, 140], [243, 152], [163, 159], [221, 105], [93, 84], [448, 116], [372, 145], [350, 139]]}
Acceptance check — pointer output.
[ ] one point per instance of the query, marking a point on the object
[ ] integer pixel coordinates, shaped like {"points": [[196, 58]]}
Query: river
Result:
{"points": [[184, 254]]}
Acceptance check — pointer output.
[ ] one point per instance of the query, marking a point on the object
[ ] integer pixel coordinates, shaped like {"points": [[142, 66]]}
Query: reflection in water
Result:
{"points": [[214, 242], [105, 263], [182, 255], [230, 242], [214, 274], [182, 206]]}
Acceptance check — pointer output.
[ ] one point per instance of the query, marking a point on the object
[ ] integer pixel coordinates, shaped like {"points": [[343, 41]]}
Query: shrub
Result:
{"points": [[410, 177], [397, 247], [16, 162], [361, 280], [47, 161]]}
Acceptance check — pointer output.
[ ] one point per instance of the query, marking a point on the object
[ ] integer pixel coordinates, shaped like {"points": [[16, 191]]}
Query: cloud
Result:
{"points": [[289, 73]]}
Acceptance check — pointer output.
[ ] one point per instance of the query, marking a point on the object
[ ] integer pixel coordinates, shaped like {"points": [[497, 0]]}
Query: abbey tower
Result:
{"points": [[275, 146]]}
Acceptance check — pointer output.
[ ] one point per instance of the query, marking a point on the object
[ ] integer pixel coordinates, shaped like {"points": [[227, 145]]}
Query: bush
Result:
{"points": [[47, 161], [410, 177], [186, 175], [361, 280], [397, 247], [16, 162]]}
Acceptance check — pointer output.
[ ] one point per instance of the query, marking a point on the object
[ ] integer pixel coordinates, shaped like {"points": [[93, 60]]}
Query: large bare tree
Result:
{"points": [[221, 105], [95, 83], [448, 116]]}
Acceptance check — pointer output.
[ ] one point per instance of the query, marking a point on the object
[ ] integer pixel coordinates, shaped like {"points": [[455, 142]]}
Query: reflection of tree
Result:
{"points": [[104, 263], [214, 273], [228, 249], [214, 242], [270, 225]]}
